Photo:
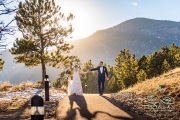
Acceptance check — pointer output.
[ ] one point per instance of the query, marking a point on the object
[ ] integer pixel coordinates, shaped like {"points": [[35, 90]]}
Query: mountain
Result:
{"points": [[140, 35]]}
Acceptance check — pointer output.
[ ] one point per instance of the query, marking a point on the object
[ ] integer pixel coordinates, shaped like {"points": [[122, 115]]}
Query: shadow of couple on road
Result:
{"points": [[83, 110]]}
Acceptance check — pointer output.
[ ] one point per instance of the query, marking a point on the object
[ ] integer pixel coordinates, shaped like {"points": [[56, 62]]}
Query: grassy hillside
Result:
{"points": [[158, 97], [169, 82]]}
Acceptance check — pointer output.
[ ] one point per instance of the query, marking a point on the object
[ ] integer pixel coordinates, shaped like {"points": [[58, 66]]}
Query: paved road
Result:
{"points": [[92, 107]]}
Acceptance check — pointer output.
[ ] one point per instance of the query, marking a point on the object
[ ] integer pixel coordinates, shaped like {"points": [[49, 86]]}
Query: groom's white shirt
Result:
{"points": [[101, 69]]}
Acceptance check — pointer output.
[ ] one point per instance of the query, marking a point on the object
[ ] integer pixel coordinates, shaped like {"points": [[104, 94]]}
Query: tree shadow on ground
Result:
{"points": [[83, 110]]}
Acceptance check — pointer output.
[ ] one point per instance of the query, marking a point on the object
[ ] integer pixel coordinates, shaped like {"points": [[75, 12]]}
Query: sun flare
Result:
{"points": [[83, 23]]}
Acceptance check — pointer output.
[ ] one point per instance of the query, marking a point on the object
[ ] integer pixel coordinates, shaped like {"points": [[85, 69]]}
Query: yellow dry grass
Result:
{"points": [[164, 91], [15, 102], [4, 86], [24, 85], [171, 81]]}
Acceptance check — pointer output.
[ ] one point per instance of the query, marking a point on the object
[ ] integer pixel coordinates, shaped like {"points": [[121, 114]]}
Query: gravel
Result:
{"points": [[149, 106]]}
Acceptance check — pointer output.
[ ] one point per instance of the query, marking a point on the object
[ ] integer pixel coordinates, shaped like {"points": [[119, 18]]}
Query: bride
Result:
{"points": [[74, 85]]}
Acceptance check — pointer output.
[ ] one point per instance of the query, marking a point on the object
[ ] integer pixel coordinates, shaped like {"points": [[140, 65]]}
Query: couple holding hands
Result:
{"points": [[74, 84]]}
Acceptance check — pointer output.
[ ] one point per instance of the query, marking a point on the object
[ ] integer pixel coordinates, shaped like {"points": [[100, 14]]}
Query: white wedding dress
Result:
{"points": [[69, 85], [76, 86]]}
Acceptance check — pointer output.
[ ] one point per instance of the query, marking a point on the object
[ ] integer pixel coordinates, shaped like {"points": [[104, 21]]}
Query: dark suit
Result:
{"points": [[101, 78]]}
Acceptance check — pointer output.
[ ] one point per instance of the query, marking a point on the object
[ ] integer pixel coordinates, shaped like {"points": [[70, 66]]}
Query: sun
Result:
{"points": [[85, 21]]}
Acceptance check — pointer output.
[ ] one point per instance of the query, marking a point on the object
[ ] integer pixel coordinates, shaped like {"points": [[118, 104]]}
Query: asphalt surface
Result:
{"points": [[92, 107]]}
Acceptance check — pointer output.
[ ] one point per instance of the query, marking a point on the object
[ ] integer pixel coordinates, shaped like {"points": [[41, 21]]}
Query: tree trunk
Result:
{"points": [[43, 71], [43, 62]]}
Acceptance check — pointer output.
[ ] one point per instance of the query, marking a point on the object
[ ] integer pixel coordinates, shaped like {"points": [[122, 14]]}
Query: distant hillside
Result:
{"points": [[140, 35], [17, 73]]}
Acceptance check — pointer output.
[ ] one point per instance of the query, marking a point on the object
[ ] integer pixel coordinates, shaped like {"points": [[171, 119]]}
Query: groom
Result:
{"points": [[102, 74]]}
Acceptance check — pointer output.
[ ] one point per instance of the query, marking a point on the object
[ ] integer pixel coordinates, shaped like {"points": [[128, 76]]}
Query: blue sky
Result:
{"points": [[93, 15], [107, 13]]}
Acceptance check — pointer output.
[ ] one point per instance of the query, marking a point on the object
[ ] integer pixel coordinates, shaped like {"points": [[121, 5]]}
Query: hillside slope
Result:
{"points": [[140, 35], [157, 98], [169, 81]]}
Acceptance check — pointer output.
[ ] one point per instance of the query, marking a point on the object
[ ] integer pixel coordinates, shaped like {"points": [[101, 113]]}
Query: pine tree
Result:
{"points": [[165, 66], [1, 64], [62, 79], [144, 64], [89, 79], [112, 85], [177, 58], [162, 60], [155, 65], [126, 68], [43, 26], [68, 63], [141, 76], [174, 53], [72, 61]]}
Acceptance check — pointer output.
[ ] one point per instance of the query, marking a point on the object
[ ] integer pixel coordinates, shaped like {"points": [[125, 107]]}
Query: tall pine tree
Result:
{"points": [[43, 26], [144, 64], [174, 53], [126, 68]]}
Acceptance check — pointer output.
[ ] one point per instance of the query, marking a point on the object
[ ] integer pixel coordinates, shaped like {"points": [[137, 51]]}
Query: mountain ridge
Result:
{"points": [[140, 35]]}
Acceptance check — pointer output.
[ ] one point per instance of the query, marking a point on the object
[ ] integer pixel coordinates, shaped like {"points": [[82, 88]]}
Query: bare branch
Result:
{"points": [[6, 29], [7, 11]]}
